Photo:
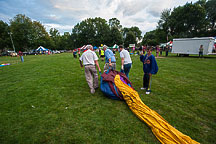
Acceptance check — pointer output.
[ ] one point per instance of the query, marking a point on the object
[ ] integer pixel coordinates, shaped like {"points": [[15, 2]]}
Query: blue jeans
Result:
{"points": [[22, 59], [200, 54], [127, 68]]}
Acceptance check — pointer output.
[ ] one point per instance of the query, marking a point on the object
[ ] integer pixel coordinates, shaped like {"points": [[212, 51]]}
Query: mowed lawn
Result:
{"points": [[47, 100]]}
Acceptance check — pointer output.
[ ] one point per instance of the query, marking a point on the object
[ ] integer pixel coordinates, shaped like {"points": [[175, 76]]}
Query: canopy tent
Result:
{"points": [[40, 48], [115, 46], [95, 47], [163, 45], [83, 47], [169, 43]]}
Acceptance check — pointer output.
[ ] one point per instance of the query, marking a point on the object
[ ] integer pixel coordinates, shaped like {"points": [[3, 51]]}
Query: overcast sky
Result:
{"points": [[65, 14]]}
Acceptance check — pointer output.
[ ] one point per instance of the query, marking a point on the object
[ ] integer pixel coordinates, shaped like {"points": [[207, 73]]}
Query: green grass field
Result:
{"points": [[47, 100]]}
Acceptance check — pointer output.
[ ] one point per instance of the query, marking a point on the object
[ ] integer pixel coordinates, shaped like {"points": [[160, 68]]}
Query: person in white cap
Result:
{"points": [[89, 59]]}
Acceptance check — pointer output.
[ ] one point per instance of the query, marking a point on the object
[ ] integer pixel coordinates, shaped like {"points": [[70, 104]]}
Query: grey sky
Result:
{"points": [[64, 14]]}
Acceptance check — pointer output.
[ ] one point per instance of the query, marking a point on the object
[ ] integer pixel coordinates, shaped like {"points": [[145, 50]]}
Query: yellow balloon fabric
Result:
{"points": [[164, 132]]}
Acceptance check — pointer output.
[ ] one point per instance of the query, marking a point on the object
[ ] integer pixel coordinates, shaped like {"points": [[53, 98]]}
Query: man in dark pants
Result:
{"points": [[149, 67]]}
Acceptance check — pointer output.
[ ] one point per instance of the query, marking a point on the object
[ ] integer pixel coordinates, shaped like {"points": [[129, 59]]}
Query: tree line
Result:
{"points": [[187, 21], [27, 34], [190, 20]]}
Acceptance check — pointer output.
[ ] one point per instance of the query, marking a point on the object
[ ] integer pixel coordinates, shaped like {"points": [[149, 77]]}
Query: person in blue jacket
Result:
{"points": [[149, 67]]}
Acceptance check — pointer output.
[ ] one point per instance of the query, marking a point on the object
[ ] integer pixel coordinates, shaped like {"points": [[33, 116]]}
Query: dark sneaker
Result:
{"points": [[148, 91]]}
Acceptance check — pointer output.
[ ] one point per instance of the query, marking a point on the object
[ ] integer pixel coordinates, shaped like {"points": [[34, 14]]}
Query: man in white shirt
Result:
{"points": [[126, 61], [89, 59]]}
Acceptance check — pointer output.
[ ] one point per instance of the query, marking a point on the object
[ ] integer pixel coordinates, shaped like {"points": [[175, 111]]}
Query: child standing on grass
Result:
{"points": [[149, 67], [157, 51], [201, 51]]}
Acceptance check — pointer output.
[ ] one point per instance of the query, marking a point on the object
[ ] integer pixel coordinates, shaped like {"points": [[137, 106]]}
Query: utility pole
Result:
{"points": [[10, 33]]}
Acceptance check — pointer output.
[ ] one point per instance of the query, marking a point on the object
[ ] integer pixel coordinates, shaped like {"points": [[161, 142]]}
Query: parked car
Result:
{"points": [[26, 53], [33, 53], [62, 51], [56, 52], [9, 53], [13, 54], [4, 53]]}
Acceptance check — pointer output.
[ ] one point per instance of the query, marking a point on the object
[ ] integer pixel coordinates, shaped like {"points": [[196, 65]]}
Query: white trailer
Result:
{"points": [[186, 46]]}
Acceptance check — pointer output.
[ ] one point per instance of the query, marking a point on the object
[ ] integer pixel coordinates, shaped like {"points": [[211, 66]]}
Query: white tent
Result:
{"points": [[115, 46], [163, 45], [169, 43], [40, 48], [83, 47]]}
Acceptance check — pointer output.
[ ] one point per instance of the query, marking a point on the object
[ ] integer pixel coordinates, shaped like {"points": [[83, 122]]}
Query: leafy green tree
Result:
{"points": [[188, 20], [40, 36], [28, 34], [201, 3], [21, 26], [84, 33], [102, 32], [115, 36], [65, 43], [74, 39], [150, 38], [55, 38], [114, 22], [211, 15], [4, 36], [93, 31], [164, 23], [115, 32], [130, 39], [161, 36], [137, 32], [124, 32]]}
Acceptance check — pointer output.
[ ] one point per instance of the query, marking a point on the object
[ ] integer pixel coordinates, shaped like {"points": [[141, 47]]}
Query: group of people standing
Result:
{"points": [[89, 59], [159, 50]]}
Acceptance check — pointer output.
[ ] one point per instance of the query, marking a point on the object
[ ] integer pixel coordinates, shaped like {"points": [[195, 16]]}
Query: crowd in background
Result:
{"points": [[132, 50]]}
